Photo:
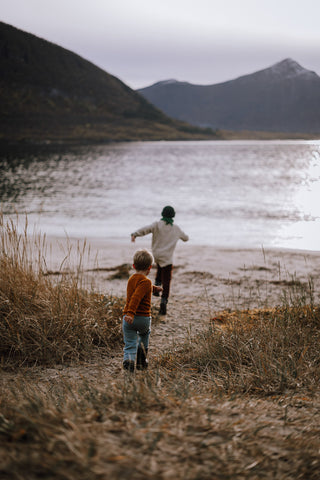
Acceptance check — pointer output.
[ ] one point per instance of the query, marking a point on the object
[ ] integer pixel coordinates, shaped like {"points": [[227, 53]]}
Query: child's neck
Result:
{"points": [[143, 272]]}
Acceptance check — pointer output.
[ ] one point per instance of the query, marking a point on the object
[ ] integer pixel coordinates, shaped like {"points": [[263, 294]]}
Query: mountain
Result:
{"points": [[282, 98], [50, 93]]}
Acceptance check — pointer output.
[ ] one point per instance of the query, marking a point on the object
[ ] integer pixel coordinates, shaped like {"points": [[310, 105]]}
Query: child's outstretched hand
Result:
{"points": [[133, 238], [129, 319], [157, 289]]}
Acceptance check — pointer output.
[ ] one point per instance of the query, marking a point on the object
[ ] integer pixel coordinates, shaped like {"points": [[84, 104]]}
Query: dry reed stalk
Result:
{"points": [[46, 321]]}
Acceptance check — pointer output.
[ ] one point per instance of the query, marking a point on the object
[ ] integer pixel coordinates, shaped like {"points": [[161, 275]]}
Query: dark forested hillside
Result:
{"points": [[50, 93]]}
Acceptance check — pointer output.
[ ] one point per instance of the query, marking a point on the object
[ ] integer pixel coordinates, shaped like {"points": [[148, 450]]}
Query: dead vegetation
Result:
{"points": [[45, 321], [119, 272], [238, 400], [151, 427], [267, 351]]}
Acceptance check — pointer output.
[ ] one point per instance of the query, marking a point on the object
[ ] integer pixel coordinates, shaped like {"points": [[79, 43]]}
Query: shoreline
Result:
{"points": [[11, 143], [116, 242], [222, 277]]}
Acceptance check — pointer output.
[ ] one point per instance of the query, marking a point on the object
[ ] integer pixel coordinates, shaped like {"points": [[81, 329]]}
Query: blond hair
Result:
{"points": [[142, 259]]}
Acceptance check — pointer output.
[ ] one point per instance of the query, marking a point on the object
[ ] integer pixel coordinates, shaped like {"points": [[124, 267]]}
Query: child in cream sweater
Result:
{"points": [[165, 235]]}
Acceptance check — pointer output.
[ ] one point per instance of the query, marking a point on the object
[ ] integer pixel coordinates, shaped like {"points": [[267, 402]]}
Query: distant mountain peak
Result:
{"points": [[289, 68], [170, 81], [284, 97], [165, 83]]}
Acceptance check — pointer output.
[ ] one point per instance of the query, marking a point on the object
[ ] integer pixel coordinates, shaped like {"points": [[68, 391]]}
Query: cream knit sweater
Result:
{"points": [[164, 240]]}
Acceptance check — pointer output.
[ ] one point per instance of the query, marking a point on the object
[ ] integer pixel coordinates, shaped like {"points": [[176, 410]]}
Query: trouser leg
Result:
{"points": [[130, 338], [166, 274], [142, 362], [158, 280], [144, 334], [163, 278], [136, 341]]}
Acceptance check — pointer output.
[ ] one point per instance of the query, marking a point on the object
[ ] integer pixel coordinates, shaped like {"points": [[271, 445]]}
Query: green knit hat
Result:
{"points": [[168, 212]]}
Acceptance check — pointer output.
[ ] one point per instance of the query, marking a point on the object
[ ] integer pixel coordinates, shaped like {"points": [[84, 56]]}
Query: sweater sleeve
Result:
{"points": [[144, 230], [142, 289], [183, 236]]}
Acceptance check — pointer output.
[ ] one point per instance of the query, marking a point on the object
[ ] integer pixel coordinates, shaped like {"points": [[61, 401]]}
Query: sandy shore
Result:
{"points": [[219, 278]]}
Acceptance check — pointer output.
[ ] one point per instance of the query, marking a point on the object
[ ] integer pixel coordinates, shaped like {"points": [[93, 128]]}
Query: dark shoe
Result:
{"points": [[128, 365], [163, 306], [142, 362]]}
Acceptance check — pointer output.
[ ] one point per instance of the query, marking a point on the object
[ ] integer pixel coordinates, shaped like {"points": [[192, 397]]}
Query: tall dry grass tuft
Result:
{"points": [[262, 351], [45, 321]]}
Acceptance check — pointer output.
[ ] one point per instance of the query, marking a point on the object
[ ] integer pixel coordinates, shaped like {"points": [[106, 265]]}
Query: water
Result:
{"points": [[226, 193]]}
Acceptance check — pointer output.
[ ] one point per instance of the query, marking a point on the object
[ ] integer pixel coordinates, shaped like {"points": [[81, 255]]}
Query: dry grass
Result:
{"points": [[262, 351], [241, 400], [45, 321], [151, 427]]}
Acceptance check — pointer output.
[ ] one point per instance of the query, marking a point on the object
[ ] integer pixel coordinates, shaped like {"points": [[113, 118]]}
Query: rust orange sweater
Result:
{"points": [[139, 291]]}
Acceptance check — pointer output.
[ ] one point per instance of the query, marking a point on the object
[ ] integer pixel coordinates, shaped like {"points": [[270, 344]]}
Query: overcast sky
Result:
{"points": [[199, 41]]}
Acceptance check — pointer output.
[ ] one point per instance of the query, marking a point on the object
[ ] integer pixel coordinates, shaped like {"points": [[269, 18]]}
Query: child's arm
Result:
{"points": [[183, 236], [143, 231], [129, 318], [156, 288]]}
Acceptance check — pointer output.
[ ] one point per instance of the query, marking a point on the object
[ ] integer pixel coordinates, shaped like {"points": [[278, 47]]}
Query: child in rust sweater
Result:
{"points": [[136, 324]]}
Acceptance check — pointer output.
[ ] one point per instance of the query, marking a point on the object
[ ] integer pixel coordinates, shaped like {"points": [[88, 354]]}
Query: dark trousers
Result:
{"points": [[163, 278]]}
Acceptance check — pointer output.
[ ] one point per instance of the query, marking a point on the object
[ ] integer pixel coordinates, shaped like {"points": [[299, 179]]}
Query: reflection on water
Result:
{"points": [[239, 193]]}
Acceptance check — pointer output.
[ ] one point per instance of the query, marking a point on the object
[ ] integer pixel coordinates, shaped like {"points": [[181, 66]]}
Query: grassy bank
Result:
{"points": [[47, 321], [240, 400], [261, 352]]}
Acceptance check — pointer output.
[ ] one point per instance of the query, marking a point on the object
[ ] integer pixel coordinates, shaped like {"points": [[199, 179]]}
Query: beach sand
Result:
{"points": [[215, 278]]}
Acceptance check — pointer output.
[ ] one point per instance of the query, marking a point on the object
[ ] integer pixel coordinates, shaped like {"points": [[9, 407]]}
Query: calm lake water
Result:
{"points": [[226, 193]]}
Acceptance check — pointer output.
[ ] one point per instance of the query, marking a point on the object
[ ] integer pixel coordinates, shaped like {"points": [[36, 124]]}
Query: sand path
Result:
{"points": [[206, 280]]}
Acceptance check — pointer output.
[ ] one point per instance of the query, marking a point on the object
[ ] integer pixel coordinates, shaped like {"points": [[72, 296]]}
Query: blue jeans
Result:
{"points": [[134, 335]]}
